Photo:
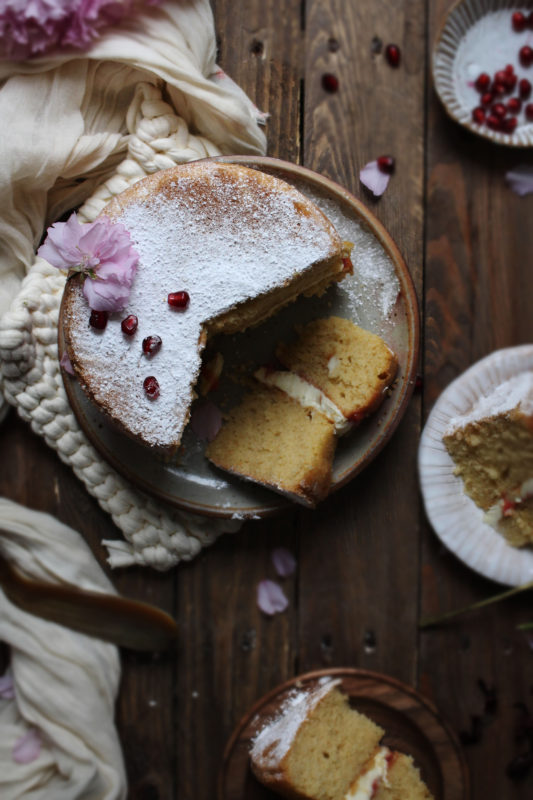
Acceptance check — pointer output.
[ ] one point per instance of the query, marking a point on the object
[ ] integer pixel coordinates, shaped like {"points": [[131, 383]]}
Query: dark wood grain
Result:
{"points": [[368, 564]]}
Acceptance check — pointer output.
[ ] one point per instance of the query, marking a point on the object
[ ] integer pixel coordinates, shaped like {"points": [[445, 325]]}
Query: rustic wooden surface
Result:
{"points": [[369, 566]]}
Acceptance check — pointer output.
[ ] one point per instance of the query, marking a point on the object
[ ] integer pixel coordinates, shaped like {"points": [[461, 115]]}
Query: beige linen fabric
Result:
{"points": [[65, 683], [84, 127]]}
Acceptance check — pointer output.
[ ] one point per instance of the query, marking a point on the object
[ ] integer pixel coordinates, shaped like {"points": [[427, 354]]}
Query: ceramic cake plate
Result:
{"points": [[456, 519], [477, 37], [412, 726], [379, 296]]}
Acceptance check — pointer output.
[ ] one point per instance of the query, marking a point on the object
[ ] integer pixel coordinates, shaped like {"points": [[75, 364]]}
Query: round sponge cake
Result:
{"points": [[240, 242]]}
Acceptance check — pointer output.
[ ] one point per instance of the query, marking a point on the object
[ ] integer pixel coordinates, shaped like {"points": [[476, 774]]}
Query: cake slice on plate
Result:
{"points": [[317, 747], [491, 445]]}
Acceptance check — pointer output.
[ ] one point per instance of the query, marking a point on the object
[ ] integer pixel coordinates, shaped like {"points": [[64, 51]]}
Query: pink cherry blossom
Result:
{"points": [[373, 178], [284, 561], [28, 747], [270, 597], [102, 250], [65, 364], [37, 26]]}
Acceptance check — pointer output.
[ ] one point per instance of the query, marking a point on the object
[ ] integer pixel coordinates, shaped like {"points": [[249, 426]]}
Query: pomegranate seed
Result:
{"points": [[151, 387], [330, 83], [98, 320], [494, 123], [386, 164], [524, 88], [486, 99], [529, 112], [518, 21], [500, 76], [510, 82], [151, 345], [129, 325], [525, 55], [393, 55], [478, 115], [482, 83], [499, 89], [509, 69], [178, 300], [499, 110], [509, 124], [530, 20], [514, 105]]}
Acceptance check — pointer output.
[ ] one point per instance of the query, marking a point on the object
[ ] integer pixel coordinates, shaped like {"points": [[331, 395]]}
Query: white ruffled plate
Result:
{"points": [[455, 518], [477, 37]]}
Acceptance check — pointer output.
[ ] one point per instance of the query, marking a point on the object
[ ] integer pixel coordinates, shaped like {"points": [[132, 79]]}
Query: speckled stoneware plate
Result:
{"points": [[411, 722], [379, 296], [476, 37], [456, 519]]}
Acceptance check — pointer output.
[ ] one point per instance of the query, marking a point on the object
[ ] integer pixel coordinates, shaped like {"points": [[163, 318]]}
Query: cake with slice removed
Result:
{"points": [[235, 244]]}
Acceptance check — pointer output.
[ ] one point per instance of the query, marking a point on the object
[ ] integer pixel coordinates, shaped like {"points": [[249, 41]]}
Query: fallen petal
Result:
{"points": [[206, 420], [284, 562], [271, 598], [7, 687], [65, 363], [373, 178], [520, 179], [28, 747]]}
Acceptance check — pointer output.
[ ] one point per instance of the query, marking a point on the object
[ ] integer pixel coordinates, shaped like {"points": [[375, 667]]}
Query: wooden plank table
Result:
{"points": [[369, 566]]}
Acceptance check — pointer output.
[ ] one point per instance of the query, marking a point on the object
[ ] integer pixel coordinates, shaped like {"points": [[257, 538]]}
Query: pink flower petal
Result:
{"points": [[284, 562], [28, 747], [373, 178], [102, 250], [520, 179], [271, 598], [65, 363], [7, 687], [206, 420]]}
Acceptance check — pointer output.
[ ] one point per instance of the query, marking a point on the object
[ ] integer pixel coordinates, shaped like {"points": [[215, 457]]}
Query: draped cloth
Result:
{"points": [[64, 683], [78, 129]]}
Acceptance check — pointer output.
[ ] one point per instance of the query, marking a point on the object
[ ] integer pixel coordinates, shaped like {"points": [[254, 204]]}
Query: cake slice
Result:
{"points": [[238, 243], [316, 745], [403, 781], [272, 440], [351, 366], [491, 446]]}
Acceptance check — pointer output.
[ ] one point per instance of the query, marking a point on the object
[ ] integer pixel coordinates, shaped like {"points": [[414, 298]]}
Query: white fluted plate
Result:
{"points": [[456, 519], [477, 37]]}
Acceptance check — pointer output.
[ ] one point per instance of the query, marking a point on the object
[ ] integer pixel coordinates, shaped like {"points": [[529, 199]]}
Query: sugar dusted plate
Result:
{"points": [[379, 296], [411, 723], [477, 37], [455, 518]]}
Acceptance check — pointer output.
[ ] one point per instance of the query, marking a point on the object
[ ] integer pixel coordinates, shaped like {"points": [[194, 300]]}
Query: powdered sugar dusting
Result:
{"points": [[517, 391], [222, 233], [273, 741]]}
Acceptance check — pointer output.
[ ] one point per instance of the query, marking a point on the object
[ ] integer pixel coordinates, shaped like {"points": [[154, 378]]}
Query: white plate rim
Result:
{"points": [[456, 520]]}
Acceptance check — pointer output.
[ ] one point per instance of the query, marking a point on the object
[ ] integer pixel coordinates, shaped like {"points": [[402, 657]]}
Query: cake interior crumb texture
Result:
{"points": [[352, 366], [273, 440], [319, 747], [330, 747], [492, 450]]}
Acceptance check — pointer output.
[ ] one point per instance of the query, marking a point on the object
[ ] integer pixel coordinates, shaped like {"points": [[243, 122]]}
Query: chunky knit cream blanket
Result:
{"points": [[81, 129]]}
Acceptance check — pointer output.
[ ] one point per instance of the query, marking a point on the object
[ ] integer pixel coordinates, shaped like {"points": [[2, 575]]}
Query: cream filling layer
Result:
{"points": [[306, 394], [365, 786], [499, 511]]}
